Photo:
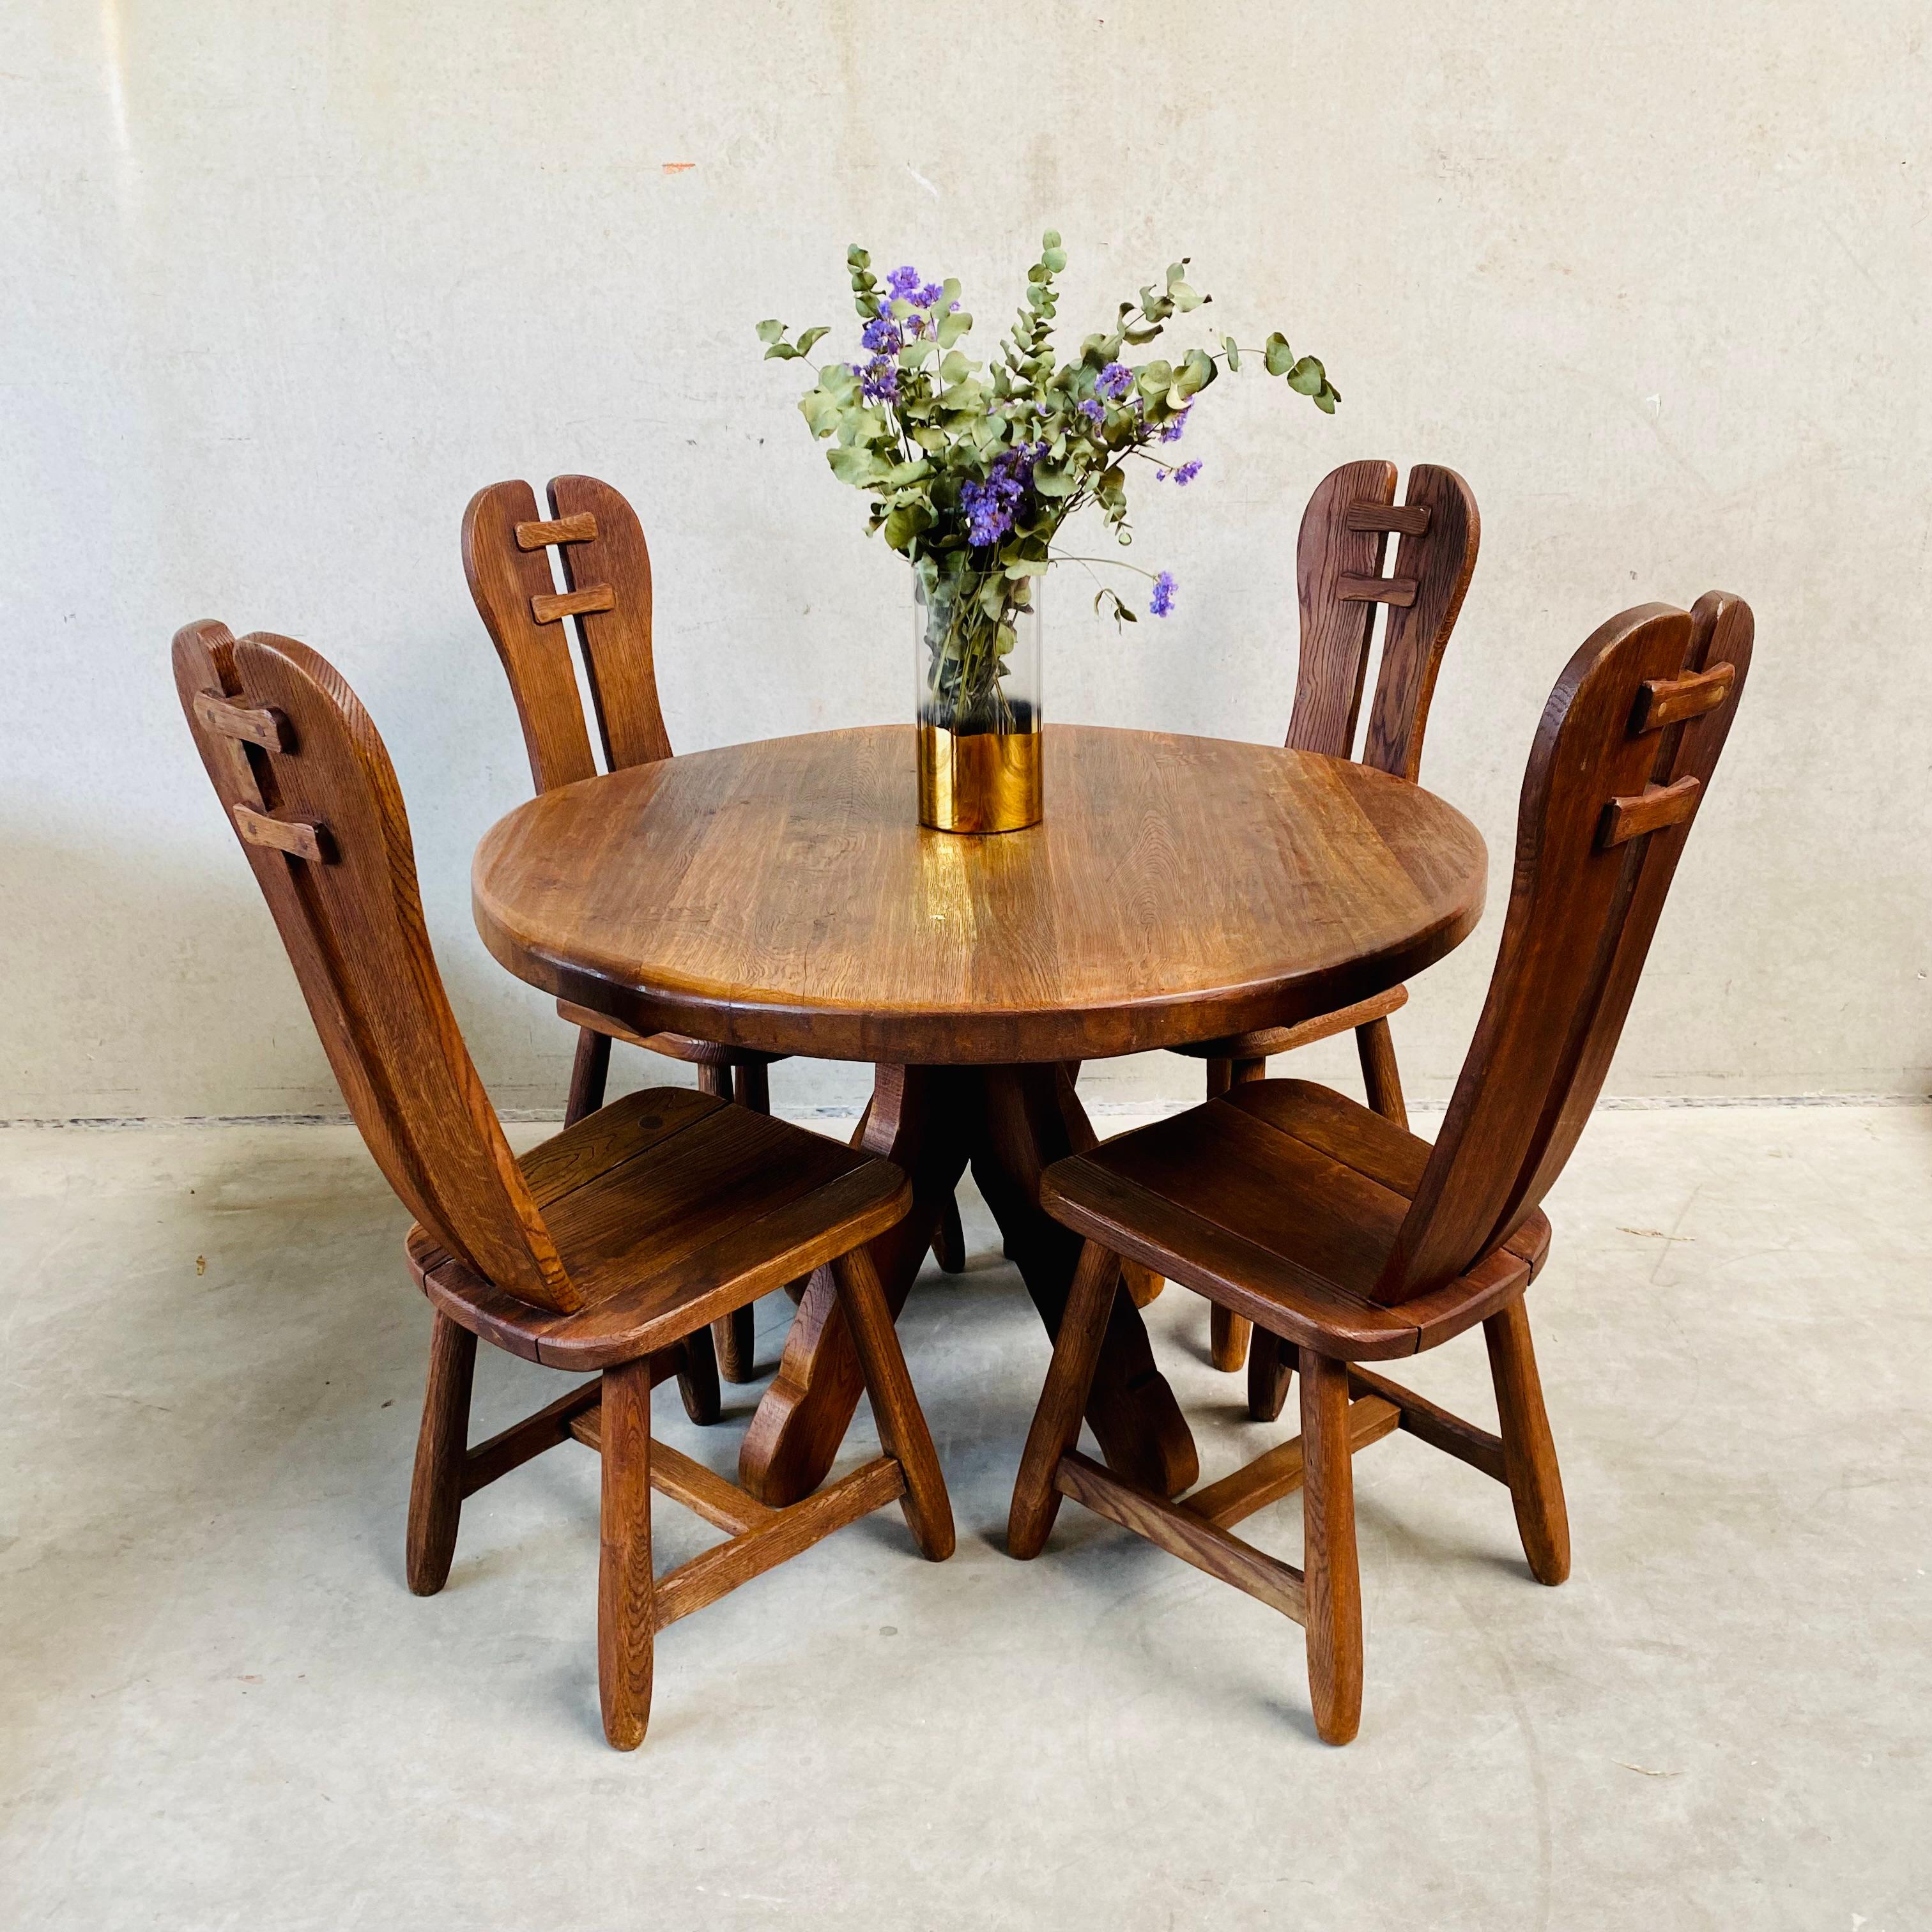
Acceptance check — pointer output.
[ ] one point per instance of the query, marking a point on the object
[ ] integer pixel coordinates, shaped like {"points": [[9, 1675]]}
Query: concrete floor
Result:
{"points": [[220, 1707]]}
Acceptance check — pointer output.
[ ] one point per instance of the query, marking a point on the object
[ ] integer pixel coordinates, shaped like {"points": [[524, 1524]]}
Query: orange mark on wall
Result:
{"points": [[679, 167]]}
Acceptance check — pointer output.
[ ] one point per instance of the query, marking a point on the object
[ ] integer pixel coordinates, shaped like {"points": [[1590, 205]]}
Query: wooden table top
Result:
{"points": [[781, 896]]}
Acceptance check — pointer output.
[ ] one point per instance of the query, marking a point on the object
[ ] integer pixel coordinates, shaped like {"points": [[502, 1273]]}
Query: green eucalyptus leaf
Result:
{"points": [[1184, 297], [770, 332], [953, 325], [1054, 260], [906, 524], [1233, 353], [1279, 358], [854, 464], [810, 336], [1306, 378], [1155, 379], [955, 368]]}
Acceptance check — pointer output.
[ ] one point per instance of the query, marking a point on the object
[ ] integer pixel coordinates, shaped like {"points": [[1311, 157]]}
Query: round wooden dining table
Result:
{"points": [[781, 896]]}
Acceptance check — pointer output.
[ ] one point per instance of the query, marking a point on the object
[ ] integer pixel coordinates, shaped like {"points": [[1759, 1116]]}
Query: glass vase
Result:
{"points": [[976, 645]]}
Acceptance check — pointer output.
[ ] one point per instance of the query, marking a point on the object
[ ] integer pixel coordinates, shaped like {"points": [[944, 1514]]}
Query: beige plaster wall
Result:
{"points": [[285, 282]]}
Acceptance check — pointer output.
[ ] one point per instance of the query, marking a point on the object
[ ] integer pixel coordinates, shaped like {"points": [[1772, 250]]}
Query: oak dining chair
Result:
{"points": [[1340, 583], [608, 1249], [606, 564], [1345, 1239]]}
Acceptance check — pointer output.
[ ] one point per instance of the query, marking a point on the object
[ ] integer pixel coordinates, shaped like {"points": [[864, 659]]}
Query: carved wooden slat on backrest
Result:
{"points": [[1581, 917], [1439, 559], [353, 927], [505, 579], [1334, 634], [616, 641]]}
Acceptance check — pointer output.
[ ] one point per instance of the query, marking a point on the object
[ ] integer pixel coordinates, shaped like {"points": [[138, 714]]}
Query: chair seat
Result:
{"points": [[1264, 1043], [1281, 1202], [669, 1208], [673, 1045]]}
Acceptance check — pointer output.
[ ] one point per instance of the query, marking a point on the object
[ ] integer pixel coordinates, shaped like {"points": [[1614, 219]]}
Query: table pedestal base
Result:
{"points": [[1010, 1124]]}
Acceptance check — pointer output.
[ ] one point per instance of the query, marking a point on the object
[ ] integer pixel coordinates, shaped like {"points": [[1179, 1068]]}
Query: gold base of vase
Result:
{"points": [[980, 781]]}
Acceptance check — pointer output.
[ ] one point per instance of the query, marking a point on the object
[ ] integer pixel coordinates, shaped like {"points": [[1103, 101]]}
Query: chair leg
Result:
{"points": [[436, 1492], [734, 1343], [949, 1240], [1228, 1333], [588, 1074], [1381, 1077], [1228, 1336], [1062, 1400], [1332, 1578], [626, 1614], [903, 1434], [1270, 1367], [697, 1377], [1529, 1455], [733, 1338]]}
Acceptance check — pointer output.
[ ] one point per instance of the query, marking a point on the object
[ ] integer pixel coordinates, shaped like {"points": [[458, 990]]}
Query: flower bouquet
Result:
{"points": [[973, 468]]}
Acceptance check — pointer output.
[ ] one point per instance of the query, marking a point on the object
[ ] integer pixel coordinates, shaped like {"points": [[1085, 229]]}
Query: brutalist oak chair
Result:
{"points": [[1338, 580], [1342, 1238], [607, 1249], [607, 566]]}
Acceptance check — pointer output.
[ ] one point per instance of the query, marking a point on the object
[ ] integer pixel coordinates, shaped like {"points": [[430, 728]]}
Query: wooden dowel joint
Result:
{"points": [[1411, 520], [1670, 700], [299, 838], [263, 726], [1399, 591], [582, 528], [549, 608], [1651, 810]]}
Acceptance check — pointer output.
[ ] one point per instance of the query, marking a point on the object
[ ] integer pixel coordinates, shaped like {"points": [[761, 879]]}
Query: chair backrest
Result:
{"points": [[1623, 755], [311, 794], [1344, 534], [506, 549]]}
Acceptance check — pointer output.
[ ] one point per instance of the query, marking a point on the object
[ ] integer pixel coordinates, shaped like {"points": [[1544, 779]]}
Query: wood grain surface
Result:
{"points": [[780, 895]]}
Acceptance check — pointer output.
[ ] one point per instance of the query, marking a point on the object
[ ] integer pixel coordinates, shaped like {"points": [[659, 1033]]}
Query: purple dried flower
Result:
{"points": [[1095, 412], [1163, 595], [881, 335], [988, 519], [1171, 432], [1114, 381], [1186, 473], [990, 506], [929, 295], [878, 379], [902, 282]]}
